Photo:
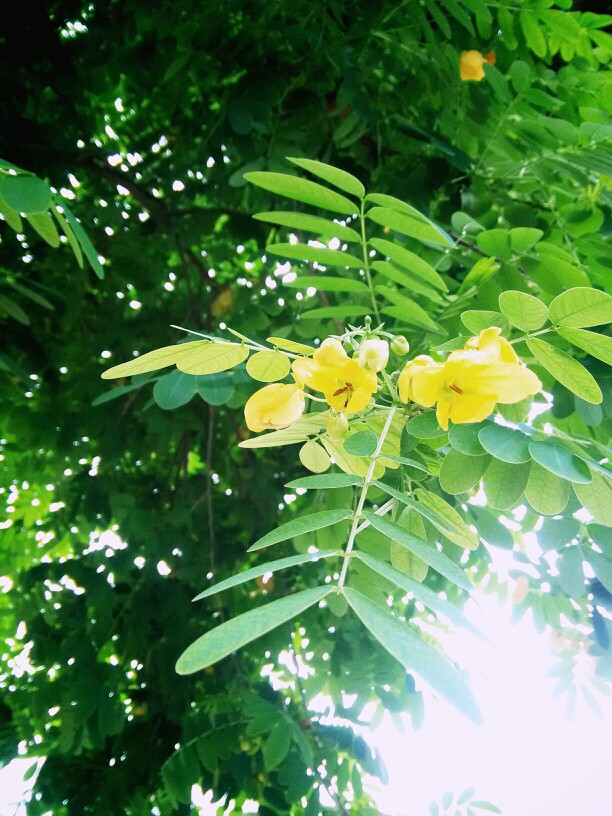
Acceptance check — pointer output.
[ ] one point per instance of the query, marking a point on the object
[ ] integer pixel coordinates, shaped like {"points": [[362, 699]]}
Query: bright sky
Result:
{"points": [[527, 758]]}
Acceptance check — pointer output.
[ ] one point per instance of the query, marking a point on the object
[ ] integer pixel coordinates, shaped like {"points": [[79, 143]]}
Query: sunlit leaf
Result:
{"points": [[301, 525]]}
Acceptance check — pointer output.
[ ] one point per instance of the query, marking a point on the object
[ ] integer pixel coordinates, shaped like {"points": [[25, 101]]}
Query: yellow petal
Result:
{"points": [[404, 381], [470, 66], [471, 408], [426, 384], [443, 410], [512, 383], [274, 406]]}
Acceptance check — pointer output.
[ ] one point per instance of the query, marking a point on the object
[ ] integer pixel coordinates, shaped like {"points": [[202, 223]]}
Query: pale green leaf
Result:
{"points": [[325, 481], [291, 345], [308, 192], [406, 310], [262, 569], [447, 520], [569, 372], [523, 238], [524, 311], [408, 260], [459, 472], [504, 483], [421, 548], [339, 178], [314, 457], [532, 32], [299, 431], [301, 525], [420, 228], [597, 345], [403, 559], [475, 320], [305, 252], [310, 223], [580, 307], [153, 360], [545, 492], [504, 443], [353, 465], [406, 279], [11, 216], [268, 366], [325, 284], [560, 461], [596, 497], [237, 632], [495, 242], [414, 654], [44, 225], [211, 357]]}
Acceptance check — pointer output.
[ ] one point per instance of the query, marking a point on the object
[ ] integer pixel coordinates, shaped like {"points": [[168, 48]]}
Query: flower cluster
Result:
{"points": [[471, 65], [465, 388], [468, 386]]}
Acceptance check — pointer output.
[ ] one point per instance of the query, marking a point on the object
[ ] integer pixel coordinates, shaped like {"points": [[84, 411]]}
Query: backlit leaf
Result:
{"points": [[305, 252], [597, 345], [569, 372], [44, 225], [314, 457], [339, 178], [524, 311], [420, 228], [210, 358], [447, 520], [299, 189], [580, 307], [301, 525], [237, 632], [153, 360], [408, 260], [268, 366], [596, 497]]}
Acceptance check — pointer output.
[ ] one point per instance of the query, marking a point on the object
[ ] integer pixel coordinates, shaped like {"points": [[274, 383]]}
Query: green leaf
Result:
{"points": [[310, 223], [517, 411], [304, 252], [571, 572], [307, 192], [237, 632], [276, 747], [314, 457], [504, 483], [477, 320], [580, 307], [405, 279], [69, 233], [414, 654], [424, 426], [339, 178], [596, 497], [14, 310], [152, 361], [298, 432], [524, 311], [532, 32], [407, 224], [268, 366], [26, 194], [560, 461], [523, 238], [546, 492], [602, 567], [291, 345], [325, 481], [331, 312], [301, 525], [465, 438], [262, 569], [174, 390], [362, 443], [215, 389], [44, 225], [569, 372], [506, 444], [12, 218], [597, 345], [402, 559], [408, 260], [459, 472], [494, 242], [83, 239], [325, 284], [211, 357], [520, 73], [447, 520], [422, 593], [406, 310], [421, 548]]}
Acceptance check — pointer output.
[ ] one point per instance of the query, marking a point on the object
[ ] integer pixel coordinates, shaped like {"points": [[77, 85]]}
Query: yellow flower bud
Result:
{"points": [[373, 354], [400, 345]]}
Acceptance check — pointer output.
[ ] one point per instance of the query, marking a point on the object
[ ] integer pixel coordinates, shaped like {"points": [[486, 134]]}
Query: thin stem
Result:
{"points": [[252, 345], [366, 262], [390, 386], [362, 497], [532, 334]]}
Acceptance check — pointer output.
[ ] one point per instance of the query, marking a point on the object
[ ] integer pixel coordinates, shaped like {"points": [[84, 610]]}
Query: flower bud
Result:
{"points": [[400, 345], [337, 426], [373, 354]]}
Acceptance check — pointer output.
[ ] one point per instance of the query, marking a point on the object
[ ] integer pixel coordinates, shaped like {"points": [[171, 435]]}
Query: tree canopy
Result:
{"points": [[442, 168]]}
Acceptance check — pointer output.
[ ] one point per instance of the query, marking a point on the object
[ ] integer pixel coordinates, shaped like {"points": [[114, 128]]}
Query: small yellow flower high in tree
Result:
{"points": [[471, 65]]}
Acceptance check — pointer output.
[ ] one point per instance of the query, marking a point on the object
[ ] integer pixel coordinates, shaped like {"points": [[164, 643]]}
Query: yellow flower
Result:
{"points": [[470, 66], [346, 385], [374, 354], [274, 406], [467, 387]]}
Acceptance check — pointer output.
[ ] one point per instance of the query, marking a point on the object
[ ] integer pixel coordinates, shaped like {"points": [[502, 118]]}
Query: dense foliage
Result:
{"points": [[123, 503]]}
